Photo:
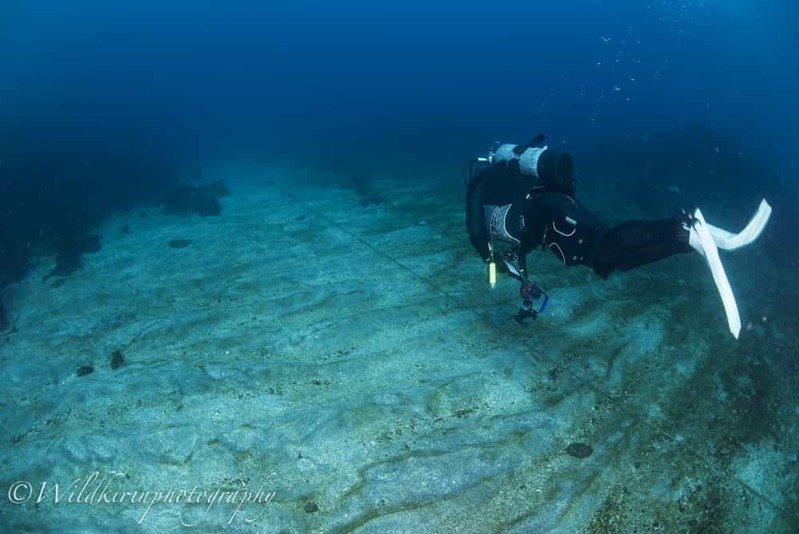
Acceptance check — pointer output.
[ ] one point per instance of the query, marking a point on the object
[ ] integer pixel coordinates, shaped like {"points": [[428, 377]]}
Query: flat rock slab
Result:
{"points": [[309, 362]]}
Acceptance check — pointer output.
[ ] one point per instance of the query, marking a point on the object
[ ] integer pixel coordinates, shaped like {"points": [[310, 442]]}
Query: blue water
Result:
{"points": [[110, 108], [206, 77]]}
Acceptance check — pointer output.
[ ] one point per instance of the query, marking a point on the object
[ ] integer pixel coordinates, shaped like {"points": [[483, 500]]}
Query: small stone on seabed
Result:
{"points": [[117, 359], [579, 450], [84, 370]]}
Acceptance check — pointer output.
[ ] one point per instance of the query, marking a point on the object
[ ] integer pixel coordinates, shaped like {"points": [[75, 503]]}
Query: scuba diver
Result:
{"points": [[523, 197]]}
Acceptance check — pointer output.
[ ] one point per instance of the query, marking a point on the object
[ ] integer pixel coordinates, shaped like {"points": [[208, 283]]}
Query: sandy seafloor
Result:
{"points": [[348, 366]]}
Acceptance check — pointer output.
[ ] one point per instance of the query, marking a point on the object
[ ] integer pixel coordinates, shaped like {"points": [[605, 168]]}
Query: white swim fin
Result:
{"points": [[729, 241], [702, 241], [707, 239]]}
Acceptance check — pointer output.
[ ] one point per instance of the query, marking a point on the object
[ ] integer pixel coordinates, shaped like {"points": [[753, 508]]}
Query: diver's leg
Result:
{"points": [[635, 243]]}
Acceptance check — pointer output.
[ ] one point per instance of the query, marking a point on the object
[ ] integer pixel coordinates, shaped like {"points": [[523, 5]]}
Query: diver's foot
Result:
{"points": [[687, 222]]}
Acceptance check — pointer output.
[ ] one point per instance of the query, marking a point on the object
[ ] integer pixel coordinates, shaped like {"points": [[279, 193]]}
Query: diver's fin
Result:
{"points": [[703, 242], [729, 241]]}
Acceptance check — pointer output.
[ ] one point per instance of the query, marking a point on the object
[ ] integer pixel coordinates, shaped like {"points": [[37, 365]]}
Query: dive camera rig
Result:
{"points": [[534, 298]]}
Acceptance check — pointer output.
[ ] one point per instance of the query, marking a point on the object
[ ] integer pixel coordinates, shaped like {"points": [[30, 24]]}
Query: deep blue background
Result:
{"points": [[106, 104], [201, 78]]}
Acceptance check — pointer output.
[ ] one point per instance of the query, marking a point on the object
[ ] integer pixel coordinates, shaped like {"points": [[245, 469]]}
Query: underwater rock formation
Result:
{"points": [[579, 450], [364, 187], [179, 243], [70, 250], [185, 199], [56, 188], [117, 360]]}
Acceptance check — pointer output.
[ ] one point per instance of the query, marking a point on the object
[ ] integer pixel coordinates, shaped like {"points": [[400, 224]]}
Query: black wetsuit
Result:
{"points": [[504, 205]]}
